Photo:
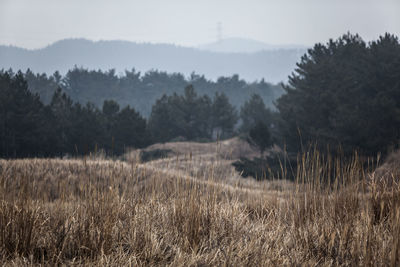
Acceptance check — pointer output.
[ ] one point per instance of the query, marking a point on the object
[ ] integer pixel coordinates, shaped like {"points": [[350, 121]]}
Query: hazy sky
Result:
{"points": [[36, 23]]}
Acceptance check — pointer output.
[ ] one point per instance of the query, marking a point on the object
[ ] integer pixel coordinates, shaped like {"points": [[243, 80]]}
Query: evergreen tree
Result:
{"points": [[224, 116], [21, 117], [344, 93], [62, 110], [187, 116], [161, 124], [43, 85], [254, 111], [196, 114], [129, 130], [88, 128], [260, 137], [110, 112]]}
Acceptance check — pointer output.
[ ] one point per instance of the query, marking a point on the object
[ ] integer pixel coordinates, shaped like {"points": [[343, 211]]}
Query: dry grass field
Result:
{"points": [[192, 209]]}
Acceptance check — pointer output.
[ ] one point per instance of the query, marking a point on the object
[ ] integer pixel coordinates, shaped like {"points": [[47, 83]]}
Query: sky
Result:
{"points": [[36, 23]]}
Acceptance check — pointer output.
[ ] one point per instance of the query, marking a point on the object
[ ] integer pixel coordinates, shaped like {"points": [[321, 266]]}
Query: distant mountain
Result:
{"points": [[272, 65], [242, 45]]}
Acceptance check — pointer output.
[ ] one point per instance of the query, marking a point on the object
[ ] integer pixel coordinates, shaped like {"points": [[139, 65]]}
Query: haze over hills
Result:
{"points": [[235, 57], [242, 45]]}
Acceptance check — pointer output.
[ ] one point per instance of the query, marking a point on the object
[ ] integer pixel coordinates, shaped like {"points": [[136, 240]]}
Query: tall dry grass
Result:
{"points": [[103, 212]]}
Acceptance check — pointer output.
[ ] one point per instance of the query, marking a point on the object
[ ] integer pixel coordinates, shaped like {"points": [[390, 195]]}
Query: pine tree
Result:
{"points": [[224, 116], [130, 130], [260, 137], [344, 93], [21, 117], [254, 111]]}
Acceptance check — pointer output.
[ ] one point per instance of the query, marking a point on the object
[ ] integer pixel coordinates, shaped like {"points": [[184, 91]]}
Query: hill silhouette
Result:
{"points": [[273, 65]]}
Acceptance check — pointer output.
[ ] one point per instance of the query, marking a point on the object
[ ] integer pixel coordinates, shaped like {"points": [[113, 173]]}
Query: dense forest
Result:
{"points": [[31, 128], [344, 94], [343, 98], [142, 90]]}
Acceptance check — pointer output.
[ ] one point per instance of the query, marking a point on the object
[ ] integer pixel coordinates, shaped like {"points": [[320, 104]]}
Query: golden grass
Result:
{"points": [[190, 211], [228, 149]]}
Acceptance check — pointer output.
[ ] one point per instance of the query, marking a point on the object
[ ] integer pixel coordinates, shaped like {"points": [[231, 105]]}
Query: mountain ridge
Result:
{"points": [[274, 66]]}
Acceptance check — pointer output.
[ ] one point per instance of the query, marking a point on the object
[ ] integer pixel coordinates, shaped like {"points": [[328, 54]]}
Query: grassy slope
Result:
{"points": [[193, 210]]}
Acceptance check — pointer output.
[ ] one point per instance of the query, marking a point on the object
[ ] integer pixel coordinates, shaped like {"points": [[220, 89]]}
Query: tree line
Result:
{"points": [[31, 128], [142, 90]]}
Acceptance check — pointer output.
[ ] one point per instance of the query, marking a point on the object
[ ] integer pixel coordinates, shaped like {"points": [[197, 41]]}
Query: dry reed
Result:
{"points": [[104, 212]]}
